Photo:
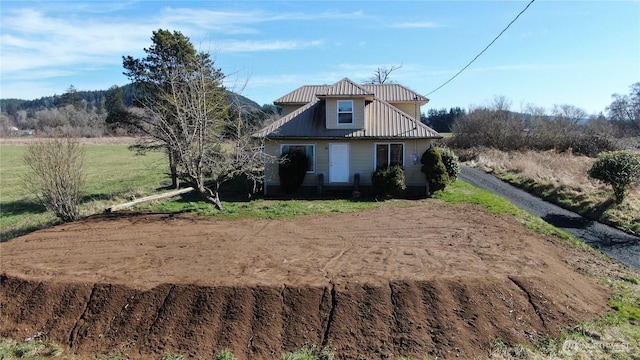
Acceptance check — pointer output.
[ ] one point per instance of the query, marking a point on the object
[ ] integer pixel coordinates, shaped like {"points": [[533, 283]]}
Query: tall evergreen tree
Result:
{"points": [[185, 110], [71, 97], [170, 52]]}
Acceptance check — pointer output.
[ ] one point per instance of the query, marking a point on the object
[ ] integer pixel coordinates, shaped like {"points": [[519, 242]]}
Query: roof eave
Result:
{"points": [[392, 138], [281, 103]]}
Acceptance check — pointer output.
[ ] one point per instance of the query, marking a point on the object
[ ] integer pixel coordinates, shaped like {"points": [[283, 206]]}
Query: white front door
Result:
{"points": [[338, 162]]}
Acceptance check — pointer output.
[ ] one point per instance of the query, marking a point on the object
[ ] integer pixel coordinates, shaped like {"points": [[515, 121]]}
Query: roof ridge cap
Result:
{"points": [[357, 85]]}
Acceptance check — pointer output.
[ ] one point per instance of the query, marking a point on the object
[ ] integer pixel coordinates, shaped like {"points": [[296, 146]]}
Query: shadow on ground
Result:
{"points": [[566, 221]]}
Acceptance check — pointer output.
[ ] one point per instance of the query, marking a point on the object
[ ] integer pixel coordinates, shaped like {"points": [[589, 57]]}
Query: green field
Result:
{"points": [[114, 174]]}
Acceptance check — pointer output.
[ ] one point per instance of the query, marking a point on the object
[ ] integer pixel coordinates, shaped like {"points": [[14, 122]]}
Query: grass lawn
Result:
{"points": [[258, 208], [113, 174]]}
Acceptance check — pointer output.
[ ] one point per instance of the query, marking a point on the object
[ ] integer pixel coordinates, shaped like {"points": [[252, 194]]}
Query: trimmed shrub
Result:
{"points": [[389, 181], [292, 170], [434, 169], [619, 169], [451, 162]]}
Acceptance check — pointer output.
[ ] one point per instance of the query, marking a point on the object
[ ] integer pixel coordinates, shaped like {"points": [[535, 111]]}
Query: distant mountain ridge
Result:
{"points": [[96, 98]]}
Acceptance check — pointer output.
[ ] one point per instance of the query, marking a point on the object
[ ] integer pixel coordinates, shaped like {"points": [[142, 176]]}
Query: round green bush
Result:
{"points": [[389, 181], [619, 169]]}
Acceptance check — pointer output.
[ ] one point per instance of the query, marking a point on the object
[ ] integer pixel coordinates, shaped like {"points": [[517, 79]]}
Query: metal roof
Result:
{"points": [[382, 121], [393, 93], [302, 95], [345, 87]]}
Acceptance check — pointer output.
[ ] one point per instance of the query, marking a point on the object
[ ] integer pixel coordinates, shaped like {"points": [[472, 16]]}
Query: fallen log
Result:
{"points": [[148, 198]]}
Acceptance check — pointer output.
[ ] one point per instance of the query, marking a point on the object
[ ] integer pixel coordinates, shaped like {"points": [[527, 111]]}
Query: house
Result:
{"points": [[347, 131]]}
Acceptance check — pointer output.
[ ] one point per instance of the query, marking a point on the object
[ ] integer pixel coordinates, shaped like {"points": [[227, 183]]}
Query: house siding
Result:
{"points": [[410, 109], [413, 174], [288, 109], [361, 161], [332, 114], [363, 153]]}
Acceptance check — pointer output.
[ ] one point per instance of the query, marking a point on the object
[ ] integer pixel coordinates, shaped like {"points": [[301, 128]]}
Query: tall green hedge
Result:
{"points": [[434, 169]]}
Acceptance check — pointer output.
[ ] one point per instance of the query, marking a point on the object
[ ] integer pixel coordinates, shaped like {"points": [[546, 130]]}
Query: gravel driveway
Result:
{"points": [[617, 244]]}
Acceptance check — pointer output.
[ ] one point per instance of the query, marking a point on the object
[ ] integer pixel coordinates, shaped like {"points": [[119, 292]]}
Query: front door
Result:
{"points": [[338, 162]]}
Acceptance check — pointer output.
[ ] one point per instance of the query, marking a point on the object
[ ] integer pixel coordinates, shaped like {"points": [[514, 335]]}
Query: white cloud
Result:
{"points": [[240, 22], [36, 39], [230, 46], [33, 40]]}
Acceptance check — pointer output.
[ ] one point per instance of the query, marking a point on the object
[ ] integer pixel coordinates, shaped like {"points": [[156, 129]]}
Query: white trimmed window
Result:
{"points": [[309, 150], [389, 154], [345, 112]]}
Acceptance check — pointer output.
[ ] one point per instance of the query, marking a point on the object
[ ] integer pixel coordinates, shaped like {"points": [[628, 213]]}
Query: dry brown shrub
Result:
{"points": [[56, 177]]}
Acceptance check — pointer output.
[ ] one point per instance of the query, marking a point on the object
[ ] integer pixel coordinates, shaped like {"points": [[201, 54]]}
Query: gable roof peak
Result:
{"points": [[391, 92], [345, 87]]}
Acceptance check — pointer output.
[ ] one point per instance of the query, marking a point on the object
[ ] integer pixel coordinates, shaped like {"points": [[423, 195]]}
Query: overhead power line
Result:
{"points": [[483, 50]]}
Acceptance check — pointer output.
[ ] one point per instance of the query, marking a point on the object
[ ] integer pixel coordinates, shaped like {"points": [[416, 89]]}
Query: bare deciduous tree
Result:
{"points": [[498, 127], [381, 74], [57, 175], [568, 112], [208, 146], [626, 108], [185, 111]]}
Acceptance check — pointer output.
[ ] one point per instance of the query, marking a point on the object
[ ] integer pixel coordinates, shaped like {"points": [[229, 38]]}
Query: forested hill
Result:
{"points": [[94, 100], [84, 113]]}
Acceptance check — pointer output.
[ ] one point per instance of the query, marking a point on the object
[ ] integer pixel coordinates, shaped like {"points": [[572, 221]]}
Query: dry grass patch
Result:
{"points": [[560, 170], [562, 178]]}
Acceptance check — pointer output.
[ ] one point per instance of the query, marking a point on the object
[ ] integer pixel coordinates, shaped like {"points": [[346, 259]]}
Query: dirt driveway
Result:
{"points": [[410, 278]]}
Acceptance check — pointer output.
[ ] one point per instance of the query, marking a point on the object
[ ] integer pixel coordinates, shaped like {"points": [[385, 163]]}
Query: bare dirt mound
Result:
{"points": [[428, 278]]}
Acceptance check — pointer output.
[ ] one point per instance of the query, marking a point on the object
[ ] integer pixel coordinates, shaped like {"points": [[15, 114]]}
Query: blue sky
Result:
{"points": [[557, 52]]}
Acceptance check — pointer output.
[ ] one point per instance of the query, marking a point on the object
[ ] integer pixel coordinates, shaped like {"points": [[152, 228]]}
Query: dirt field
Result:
{"points": [[428, 278]]}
